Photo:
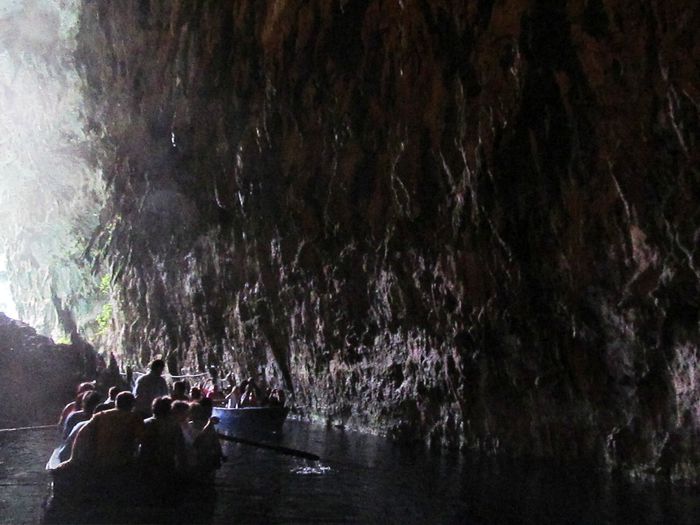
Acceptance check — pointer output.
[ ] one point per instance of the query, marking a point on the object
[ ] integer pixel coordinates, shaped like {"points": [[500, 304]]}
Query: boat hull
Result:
{"points": [[251, 419]]}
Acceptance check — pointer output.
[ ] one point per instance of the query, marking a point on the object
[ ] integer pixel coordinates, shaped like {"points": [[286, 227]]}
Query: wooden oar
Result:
{"points": [[40, 427], [276, 448]]}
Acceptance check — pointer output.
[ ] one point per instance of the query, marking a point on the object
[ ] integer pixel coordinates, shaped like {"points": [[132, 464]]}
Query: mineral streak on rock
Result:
{"points": [[473, 223]]}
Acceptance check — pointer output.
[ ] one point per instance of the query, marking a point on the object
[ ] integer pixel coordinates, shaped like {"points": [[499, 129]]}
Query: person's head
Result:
{"points": [[112, 392], [84, 387], [195, 393], [157, 366], [180, 388], [179, 410], [90, 401], [125, 401], [200, 412], [161, 406], [81, 390]]}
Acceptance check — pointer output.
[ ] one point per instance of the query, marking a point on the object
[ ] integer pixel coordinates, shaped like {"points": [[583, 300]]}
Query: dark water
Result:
{"points": [[362, 479], [365, 479]]}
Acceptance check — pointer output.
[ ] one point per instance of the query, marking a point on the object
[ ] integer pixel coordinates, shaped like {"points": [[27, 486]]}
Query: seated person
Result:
{"points": [[74, 405], [215, 394], [180, 413], [234, 397], [109, 439], [89, 402], [249, 397], [200, 412], [108, 404], [206, 446], [195, 393], [162, 446], [180, 391], [276, 398]]}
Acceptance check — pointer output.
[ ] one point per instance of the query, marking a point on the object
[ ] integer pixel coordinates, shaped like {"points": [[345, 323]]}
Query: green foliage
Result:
{"points": [[63, 340], [105, 284], [104, 318]]}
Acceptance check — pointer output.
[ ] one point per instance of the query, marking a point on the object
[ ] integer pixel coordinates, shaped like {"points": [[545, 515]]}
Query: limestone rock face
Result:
{"points": [[474, 223]]}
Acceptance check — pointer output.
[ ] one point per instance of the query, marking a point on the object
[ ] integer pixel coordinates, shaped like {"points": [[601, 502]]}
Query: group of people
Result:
{"points": [[249, 394], [161, 433]]}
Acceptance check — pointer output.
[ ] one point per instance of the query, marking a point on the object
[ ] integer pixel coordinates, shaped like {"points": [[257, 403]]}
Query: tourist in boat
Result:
{"points": [[162, 451], [207, 448], [67, 447], [213, 384], [180, 391], [249, 397], [108, 440], [117, 433], [89, 408], [206, 445], [200, 412], [234, 397], [276, 397], [216, 395], [195, 394], [75, 405], [108, 404], [150, 386], [89, 402], [180, 413]]}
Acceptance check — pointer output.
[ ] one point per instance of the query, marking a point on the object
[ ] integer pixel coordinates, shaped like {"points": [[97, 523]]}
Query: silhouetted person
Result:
{"points": [[234, 396], [77, 421], [117, 432], [180, 391], [206, 445], [76, 403], [249, 397], [195, 393], [109, 403], [150, 386], [89, 402], [108, 440], [162, 451]]}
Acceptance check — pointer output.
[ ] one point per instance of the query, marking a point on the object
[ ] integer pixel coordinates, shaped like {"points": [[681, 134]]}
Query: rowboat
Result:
{"points": [[250, 419], [125, 495]]}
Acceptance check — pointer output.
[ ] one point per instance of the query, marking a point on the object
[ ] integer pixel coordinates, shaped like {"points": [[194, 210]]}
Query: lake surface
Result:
{"points": [[363, 479]]}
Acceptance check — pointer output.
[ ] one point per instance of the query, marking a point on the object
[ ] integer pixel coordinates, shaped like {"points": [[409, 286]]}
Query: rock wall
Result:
{"points": [[37, 376], [474, 223]]}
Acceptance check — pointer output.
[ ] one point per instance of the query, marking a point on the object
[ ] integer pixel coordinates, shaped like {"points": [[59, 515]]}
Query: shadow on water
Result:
{"points": [[360, 479]]}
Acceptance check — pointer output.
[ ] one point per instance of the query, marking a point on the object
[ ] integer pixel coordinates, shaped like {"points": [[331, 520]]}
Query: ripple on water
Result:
{"points": [[315, 470]]}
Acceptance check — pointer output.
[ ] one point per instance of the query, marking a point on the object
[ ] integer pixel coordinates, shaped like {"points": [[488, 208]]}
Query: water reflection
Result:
{"points": [[313, 470]]}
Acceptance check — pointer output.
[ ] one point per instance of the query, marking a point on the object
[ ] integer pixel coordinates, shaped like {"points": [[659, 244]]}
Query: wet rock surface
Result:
{"points": [[474, 224]]}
